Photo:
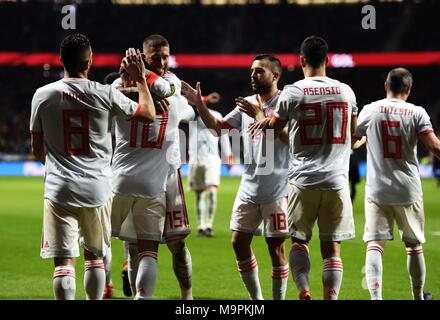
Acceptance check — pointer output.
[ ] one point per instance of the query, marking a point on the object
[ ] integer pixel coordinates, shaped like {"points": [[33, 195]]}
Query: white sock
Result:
{"points": [[94, 279], [212, 206], [182, 266], [417, 271], [200, 209], [107, 259], [249, 275], [373, 270], [146, 275], [300, 266], [332, 277], [280, 275], [64, 286], [133, 265]]}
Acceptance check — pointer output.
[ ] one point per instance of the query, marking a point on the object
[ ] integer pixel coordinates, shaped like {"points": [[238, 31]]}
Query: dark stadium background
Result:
{"points": [[35, 26]]}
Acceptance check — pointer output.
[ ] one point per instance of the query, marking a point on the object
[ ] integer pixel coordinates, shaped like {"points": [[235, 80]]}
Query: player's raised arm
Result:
{"points": [[431, 142], [135, 68], [194, 96]]}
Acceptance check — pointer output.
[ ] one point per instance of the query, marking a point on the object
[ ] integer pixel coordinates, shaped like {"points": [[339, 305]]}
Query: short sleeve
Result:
{"points": [[286, 102], [423, 122], [352, 101], [233, 118], [121, 104], [35, 122], [363, 122]]}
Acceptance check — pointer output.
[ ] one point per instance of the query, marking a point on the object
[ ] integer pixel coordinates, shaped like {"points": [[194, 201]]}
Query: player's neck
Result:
{"points": [[314, 72], [266, 97], [401, 96], [81, 75]]}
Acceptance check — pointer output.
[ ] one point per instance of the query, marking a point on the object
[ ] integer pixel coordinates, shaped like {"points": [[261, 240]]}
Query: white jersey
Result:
{"points": [[74, 116], [144, 152], [203, 143], [319, 112], [257, 184], [391, 127]]}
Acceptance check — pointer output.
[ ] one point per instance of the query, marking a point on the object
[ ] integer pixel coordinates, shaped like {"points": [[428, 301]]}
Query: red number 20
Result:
{"points": [[317, 121]]}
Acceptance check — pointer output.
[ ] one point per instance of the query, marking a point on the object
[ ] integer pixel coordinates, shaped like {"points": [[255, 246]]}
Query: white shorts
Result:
{"points": [[332, 209], [176, 223], [247, 217], [136, 218], [63, 226], [379, 222], [201, 176]]}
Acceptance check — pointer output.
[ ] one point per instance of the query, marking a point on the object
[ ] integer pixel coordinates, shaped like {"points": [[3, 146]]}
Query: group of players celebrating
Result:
{"points": [[133, 191]]}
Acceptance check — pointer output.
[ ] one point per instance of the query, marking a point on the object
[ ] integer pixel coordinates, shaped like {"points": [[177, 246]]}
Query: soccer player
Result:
{"points": [[159, 210], [393, 191], [70, 134], [205, 170], [320, 113], [263, 190]]}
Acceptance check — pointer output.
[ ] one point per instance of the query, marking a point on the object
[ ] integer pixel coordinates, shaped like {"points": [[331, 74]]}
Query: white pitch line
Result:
{"points": [[435, 233]]}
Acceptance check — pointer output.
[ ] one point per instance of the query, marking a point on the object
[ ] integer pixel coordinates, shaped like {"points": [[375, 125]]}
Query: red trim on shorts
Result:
{"points": [[182, 197], [226, 123]]}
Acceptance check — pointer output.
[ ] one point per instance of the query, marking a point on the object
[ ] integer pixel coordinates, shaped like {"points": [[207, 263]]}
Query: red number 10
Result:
{"points": [[146, 142]]}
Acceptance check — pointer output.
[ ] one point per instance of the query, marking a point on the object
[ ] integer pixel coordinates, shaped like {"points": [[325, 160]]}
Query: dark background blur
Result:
{"points": [[35, 26]]}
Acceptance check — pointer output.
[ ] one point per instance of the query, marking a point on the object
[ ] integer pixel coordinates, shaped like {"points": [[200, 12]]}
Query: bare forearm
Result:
{"points": [[146, 101], [208, 119], [39, 154], [284, 135]]}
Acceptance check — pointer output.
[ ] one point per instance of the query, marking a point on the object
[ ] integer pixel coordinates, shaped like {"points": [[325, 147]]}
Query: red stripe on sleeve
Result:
{"points": [[425, 132], [151, 78]]}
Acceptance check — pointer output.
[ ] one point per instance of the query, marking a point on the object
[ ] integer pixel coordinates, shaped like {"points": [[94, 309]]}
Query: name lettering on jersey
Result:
{"points": [[321, 91], [73, 96], [396, 110]]}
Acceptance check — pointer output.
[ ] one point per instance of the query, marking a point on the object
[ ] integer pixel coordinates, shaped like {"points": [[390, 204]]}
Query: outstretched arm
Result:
{"points": [[432, 143], [194, 96]]}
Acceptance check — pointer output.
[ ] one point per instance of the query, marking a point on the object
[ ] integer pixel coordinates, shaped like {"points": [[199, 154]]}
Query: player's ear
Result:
{"points": [[61, 61], [302, 61], [326, 61]]}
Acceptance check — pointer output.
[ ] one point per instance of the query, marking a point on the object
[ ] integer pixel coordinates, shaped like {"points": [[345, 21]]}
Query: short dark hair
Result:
{"points": [[156, 41], [72, 50], [275, 63], [314, 50], [111, 77], [399, 80]]}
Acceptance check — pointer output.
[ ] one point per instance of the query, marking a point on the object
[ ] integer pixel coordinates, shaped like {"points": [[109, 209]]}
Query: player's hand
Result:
{"points": [[213, 97], [230, 161], [160, 104], [258, 127], [252, 110], [194, 96], [134, 65]]}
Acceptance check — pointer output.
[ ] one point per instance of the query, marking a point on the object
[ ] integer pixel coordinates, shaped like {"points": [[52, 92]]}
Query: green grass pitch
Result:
{"points": [[24, 275]]}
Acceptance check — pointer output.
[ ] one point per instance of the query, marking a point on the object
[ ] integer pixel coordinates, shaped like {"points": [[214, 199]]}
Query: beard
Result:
{"points": [[261, 89]]}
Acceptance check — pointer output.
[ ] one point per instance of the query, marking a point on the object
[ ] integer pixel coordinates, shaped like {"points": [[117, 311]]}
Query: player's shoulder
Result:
{"points": [[48, 88], [171, 76], [294, 90]]}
